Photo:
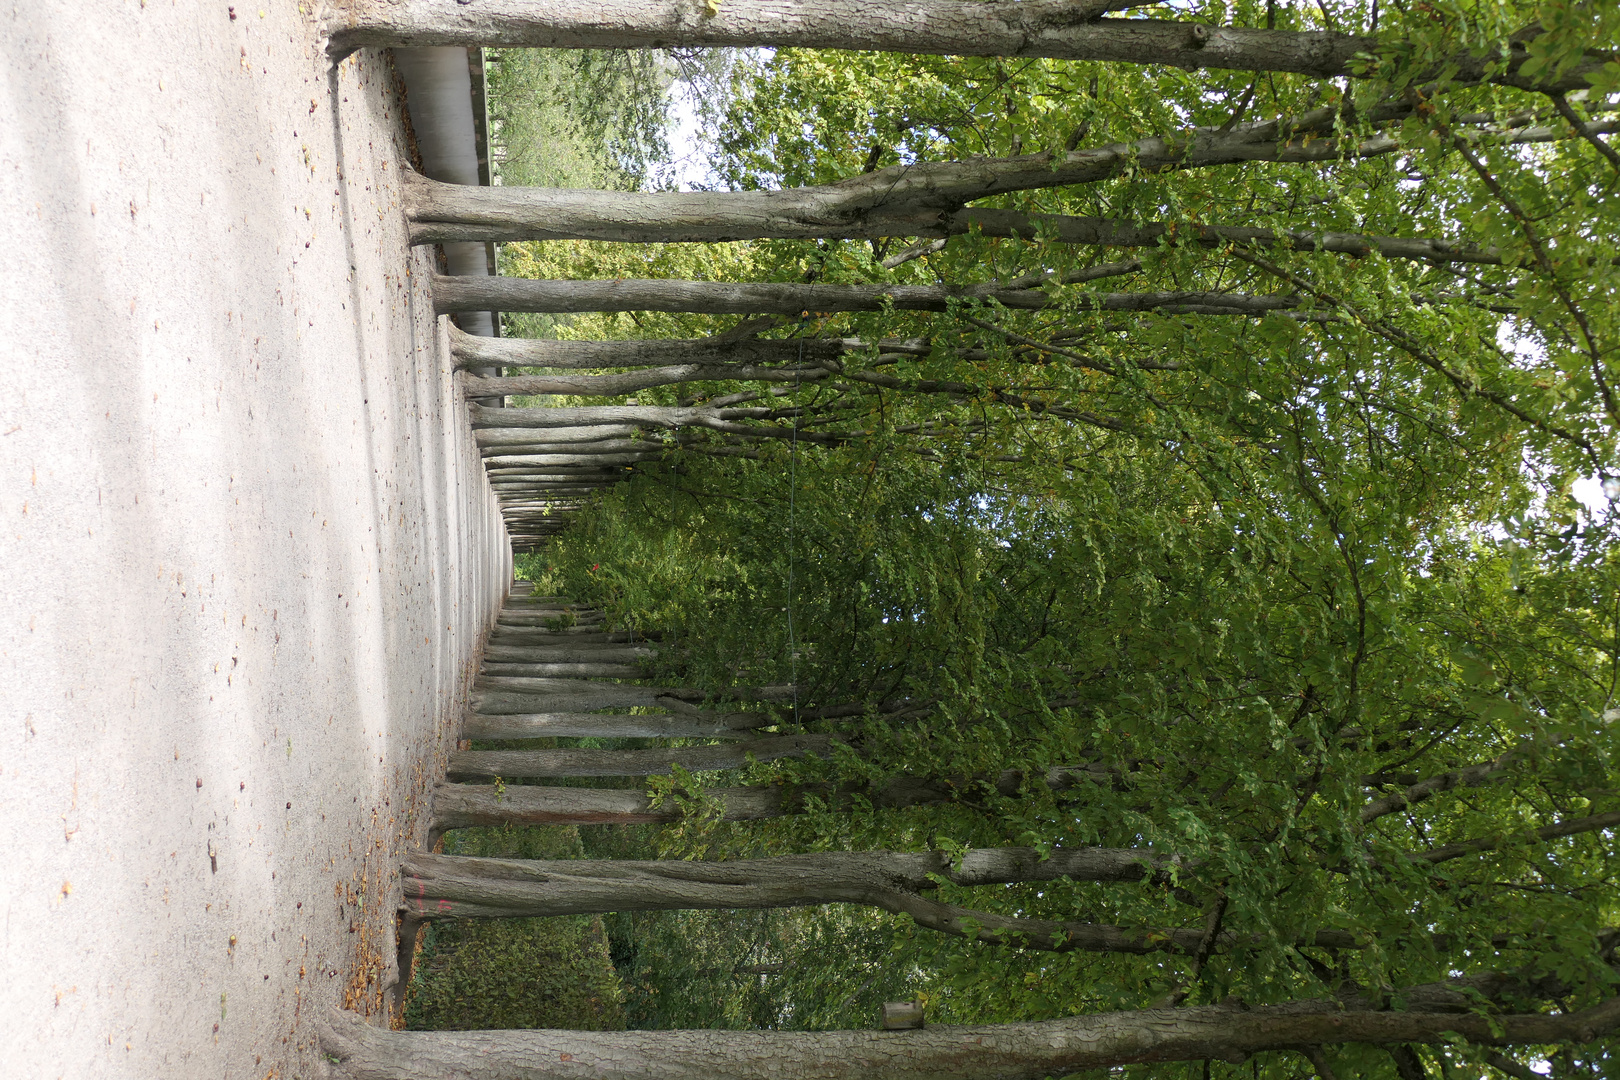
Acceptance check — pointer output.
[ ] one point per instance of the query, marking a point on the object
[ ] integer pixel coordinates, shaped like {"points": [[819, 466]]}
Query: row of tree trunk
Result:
{"points": [[542, 477], [551, 670], [572, 648]]}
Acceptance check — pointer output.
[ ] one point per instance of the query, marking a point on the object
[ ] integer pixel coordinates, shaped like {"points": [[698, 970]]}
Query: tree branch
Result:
{"points": [[1472, 776], [1555, 831]]}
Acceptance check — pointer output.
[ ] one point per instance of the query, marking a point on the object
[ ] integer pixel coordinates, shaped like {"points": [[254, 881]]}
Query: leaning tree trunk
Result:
{"points": [[772, 298], [692, 725], [460, 806], [510, 764], [447, 886], [514, 213], [1029, 1051], [578, 440], [1056, 29], [631, 382], [929, 199], [471, 351], [502, 695]]}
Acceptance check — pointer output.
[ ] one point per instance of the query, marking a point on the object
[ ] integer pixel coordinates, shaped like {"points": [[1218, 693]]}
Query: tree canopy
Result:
{"points": [[1239, 441]]}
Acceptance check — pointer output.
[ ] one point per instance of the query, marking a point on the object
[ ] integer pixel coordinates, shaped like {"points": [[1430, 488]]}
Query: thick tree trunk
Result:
{"points": [[659, 219], [729, 420], [569, 440], [1058, 29], [460, 806], [598, 453], [512, 764], [568, 636], [563, 670], [556, 475], [447, 886], [760, 298], [551, 461], [924, 199], [541, 617], [637, 417], [567, 653], [693, 725], [570, 696], [1030, 1051], [631, 382], [471, 351]]}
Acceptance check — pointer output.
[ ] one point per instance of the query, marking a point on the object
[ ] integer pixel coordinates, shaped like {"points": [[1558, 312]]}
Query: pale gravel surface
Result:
{"points": [[246, 553]]}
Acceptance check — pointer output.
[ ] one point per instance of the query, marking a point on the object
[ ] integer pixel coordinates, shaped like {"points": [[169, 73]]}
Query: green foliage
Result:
{"points": [[790, 970], [515, 973], [588, 118], [579, 118], [1256, 573]]}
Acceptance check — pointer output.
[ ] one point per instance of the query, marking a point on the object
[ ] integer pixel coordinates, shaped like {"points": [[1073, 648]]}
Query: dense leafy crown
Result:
{"points": [[1315, 519]]}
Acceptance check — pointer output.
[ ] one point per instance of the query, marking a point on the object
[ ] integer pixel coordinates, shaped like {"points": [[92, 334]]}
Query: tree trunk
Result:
{"points": [[693, 725], [471, 351], [540, 617], [755, 298], [460, 806], [569, 695], [447, 886], [465, 211], [510, 764], [924, 199], [570, 440], [568, 636], [667, 417], [503, 459], [1056, 29], [561, 670], [584, 474], [580, 417], [1028, 1051], [601, 453], [631, 382], [567, 653]]}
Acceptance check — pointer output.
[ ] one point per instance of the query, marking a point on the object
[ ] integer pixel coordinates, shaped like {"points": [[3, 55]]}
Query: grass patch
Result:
{"points": [[486, 974]]}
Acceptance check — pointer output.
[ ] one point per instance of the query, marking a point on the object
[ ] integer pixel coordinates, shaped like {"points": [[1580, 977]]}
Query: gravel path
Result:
{"points": [[247, 553]]}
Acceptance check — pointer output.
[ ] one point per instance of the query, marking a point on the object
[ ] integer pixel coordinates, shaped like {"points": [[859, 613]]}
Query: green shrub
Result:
{"points": [[515, 973]]}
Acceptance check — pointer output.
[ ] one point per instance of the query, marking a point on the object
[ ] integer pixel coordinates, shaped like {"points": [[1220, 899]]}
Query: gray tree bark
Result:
{"points": [[719, 363], [924, 199], [548, 461], [517, 617], [563, 669], [461, 806], [622, 383], [754, 298], [692, 725], [575, 696], [568, 636], [584, 473], [471, 351], [1029, 1051], [511, 764], [460, 887], [1058, 29], [580, 417], [567, 653], [568, 440]]}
